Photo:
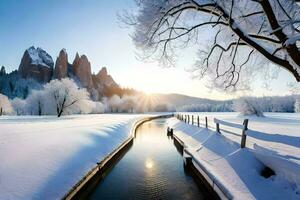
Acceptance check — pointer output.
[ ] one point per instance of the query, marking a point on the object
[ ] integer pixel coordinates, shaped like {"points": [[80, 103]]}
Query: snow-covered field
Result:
{"points": [[43, 157], [279, 132], [273, 140]]}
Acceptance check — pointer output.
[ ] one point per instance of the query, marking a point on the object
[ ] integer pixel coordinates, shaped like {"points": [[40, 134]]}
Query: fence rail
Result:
{"points": [[190, 119]]}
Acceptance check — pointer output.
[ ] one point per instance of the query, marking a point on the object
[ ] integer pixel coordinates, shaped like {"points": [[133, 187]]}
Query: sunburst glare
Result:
{"points": [[147, 101]]}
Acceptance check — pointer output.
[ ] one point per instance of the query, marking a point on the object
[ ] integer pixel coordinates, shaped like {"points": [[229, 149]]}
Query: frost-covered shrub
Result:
{"points": [[135, 104], [128, 104], [88, 106], [114, 103], [5, 105], [19, 106], [207, 107], [248, 106], [98, 108], [37, 103], [297, 106]]}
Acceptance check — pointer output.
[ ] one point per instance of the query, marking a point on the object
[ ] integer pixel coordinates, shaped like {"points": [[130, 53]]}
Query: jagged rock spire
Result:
{"points": [[61, 65]]}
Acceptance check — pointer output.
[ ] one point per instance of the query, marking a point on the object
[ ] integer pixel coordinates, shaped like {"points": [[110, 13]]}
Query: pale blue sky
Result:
{"points": [[91, 27]]}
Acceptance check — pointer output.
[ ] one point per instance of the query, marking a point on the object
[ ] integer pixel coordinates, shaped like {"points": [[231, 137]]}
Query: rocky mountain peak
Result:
{"points": [[82, 69], [63, 53], [75, 63], [38, 56], [105, 79], [61, 65], [36, 63], [102, 72]]}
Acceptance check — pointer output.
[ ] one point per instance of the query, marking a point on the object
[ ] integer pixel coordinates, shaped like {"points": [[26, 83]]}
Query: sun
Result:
{"points": [[147, 101]]}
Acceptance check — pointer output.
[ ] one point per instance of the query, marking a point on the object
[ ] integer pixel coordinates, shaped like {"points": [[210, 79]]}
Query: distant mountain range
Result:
{"points": [[37, 68]]}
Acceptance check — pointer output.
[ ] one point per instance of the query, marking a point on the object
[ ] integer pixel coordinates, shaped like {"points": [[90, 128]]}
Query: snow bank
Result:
{"points": [[276, 131], [43, 157], [285, 168], [238, 170]]}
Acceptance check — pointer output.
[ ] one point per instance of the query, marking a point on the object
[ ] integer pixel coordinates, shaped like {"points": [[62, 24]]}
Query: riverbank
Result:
{"points": [[83, 188], [44, 157], [233, 172]]}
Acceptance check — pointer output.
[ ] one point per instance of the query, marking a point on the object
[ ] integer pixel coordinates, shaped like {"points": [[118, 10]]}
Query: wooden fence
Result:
{"points": [[195, 120]]}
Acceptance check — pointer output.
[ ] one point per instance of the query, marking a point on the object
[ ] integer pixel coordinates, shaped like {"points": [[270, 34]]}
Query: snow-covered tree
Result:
{"points": [[19, 106], [244, 36], [98, 108], [297, 106], [248, 106], [128, 104], [114, 103], [213, 107], [37, 102], [64, 97], [5, 105]]}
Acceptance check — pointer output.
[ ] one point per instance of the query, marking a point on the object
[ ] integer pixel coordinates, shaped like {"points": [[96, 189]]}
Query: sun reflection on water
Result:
{"points": [[149, 164]]}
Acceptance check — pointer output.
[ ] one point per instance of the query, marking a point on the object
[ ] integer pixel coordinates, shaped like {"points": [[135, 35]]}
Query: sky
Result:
{"points": [[91, 27]]}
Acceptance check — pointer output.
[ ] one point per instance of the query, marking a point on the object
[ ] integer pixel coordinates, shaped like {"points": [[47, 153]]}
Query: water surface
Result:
{"points": [[151, 169]]}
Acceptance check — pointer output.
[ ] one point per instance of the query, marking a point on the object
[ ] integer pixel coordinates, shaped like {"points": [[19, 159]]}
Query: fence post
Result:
{"points": [[188, 119], [198, 121], [192, 119], [206, 125], [218, 127], [244, 136]]}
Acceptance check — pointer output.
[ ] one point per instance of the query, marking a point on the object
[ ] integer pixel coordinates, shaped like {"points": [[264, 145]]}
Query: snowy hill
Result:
{"points": [[181, 100], [188, 103]]}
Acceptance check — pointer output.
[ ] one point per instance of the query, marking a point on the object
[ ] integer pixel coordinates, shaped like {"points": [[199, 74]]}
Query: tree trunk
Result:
{"points": [[60, 113], [1, 110], [40, 109], [62, 107]]}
